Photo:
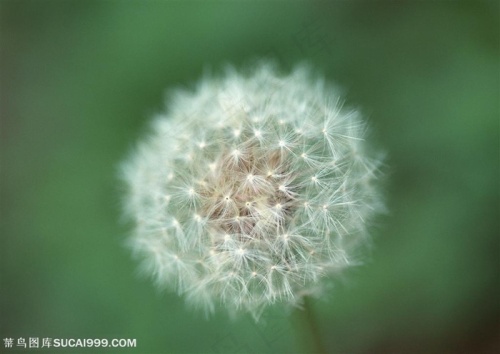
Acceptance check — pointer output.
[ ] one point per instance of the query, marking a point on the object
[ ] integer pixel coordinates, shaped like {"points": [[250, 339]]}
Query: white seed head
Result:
{"points": [[251, 190]]}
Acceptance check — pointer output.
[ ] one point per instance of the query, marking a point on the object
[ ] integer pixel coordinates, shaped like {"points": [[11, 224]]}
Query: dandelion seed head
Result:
{"points": [[238, 200]]}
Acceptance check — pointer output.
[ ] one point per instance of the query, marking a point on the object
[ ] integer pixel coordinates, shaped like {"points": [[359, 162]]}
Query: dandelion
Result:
{"points": [[252, 190]]}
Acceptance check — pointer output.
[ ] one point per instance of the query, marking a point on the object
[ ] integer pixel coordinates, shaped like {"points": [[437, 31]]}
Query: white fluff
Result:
{"points": [[251, 190]]}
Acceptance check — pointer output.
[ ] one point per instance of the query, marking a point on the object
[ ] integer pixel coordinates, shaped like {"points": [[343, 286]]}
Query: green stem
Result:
{"points": [[309, 329]]}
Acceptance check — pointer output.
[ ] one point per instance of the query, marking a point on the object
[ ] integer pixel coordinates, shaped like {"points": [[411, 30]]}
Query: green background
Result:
{"points": [[79, 82]]}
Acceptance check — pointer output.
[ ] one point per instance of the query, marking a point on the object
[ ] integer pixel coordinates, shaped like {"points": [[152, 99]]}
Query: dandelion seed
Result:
{"points": [[249, 207]]}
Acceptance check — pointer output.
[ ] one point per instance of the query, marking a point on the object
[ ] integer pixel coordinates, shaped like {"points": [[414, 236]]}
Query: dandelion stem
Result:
{"points": [[308, 327]]}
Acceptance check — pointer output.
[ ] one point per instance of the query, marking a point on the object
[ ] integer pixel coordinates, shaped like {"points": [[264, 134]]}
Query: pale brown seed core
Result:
{"points": [[247, 193]]}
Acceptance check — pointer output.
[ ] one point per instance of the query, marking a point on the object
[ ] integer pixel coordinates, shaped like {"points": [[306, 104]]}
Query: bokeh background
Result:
{"points": [[79, 82]]}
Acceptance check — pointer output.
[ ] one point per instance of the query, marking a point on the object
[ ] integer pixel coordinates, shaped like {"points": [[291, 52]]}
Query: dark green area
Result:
{"points": [[79, 81]]}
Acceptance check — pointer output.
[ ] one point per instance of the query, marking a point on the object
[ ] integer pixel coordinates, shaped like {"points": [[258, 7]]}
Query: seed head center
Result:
{"points": [[248, 197]]}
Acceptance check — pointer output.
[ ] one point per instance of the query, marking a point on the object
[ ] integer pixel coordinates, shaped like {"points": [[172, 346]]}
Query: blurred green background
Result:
{"points": [[79, 82]]}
